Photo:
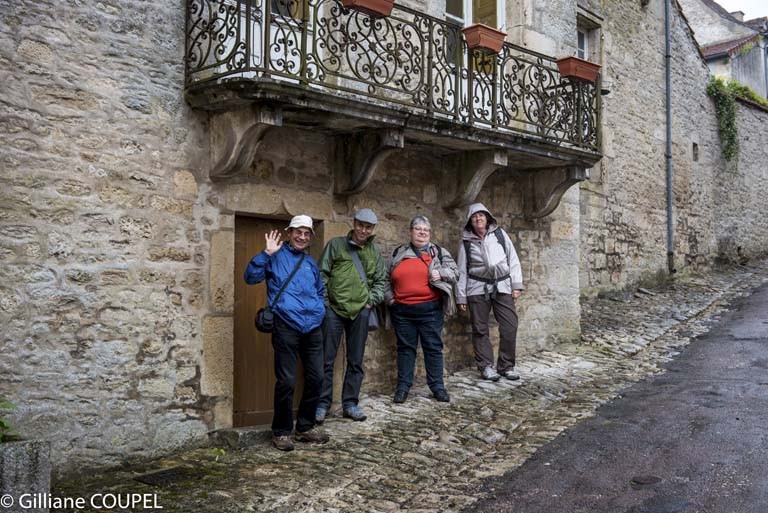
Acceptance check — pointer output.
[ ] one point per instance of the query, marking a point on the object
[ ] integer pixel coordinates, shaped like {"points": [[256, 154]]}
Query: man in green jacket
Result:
{"points": [[349, 302]]}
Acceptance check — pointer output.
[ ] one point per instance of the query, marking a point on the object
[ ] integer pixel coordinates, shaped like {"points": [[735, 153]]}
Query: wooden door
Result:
{"points": [[254, 379]]}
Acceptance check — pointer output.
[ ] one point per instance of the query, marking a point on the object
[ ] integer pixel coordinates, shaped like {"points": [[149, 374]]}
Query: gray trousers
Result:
{"points": [[504, 311]]}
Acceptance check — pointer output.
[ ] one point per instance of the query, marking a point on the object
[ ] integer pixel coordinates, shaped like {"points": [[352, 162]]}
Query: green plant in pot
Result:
{"points": [[7, 433]]}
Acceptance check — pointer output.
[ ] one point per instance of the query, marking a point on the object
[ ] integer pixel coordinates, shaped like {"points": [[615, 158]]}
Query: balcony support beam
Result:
{"points": [[475, 168], [359, 155], [236, 136], [545, 188]]}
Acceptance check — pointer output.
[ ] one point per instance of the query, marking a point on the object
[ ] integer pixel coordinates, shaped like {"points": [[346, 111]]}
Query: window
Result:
{"points": [[588, 36], [288, 9], [454, 11], [464, 13], [469, 12], [582, 44], [484, 11]]}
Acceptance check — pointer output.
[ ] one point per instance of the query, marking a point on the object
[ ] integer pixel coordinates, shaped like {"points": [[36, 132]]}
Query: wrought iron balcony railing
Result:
{"points": [[409, 59]]}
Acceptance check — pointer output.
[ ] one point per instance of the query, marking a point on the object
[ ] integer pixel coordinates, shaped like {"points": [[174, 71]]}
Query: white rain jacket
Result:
{"points": [[487, 260]]}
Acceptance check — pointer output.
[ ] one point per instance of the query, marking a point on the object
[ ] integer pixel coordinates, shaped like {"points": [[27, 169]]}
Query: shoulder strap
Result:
{"points": [[466, 252], [356, 259], [290, 277], [500, 237]]}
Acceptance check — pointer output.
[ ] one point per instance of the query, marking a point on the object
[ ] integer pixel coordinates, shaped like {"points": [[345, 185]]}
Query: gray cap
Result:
{"points": [[366, 215]]}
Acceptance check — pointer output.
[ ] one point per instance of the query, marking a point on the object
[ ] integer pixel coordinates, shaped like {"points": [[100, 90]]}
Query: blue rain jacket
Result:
{"points": [[301, 304]]}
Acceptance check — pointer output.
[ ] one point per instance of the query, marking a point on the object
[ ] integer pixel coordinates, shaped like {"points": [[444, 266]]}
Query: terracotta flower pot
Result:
{"points": [[483, 37], [375, 8], [578, 69]]}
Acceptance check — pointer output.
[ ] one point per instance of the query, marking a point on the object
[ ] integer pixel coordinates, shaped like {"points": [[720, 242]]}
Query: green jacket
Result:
{"points": [[345, 291]]}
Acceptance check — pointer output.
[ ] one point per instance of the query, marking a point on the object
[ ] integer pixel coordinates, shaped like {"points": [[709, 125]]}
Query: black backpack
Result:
{"points": [[500, 237]]}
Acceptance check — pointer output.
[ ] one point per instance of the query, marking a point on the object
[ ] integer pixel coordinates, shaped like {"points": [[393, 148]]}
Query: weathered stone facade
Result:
{"points": [[116, 247], [624, 211]]}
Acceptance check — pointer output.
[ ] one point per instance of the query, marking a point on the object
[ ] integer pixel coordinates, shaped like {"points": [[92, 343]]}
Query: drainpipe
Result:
{"points": [[668, 153], [765, 62]]}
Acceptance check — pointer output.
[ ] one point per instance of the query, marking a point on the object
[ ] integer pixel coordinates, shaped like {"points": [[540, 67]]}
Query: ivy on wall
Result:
{"points": [[725, 108], [724, 93]]}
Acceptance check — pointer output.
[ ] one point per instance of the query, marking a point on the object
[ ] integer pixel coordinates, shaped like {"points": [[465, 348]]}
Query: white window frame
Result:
{"points": [[466, 21], [582, 37]]}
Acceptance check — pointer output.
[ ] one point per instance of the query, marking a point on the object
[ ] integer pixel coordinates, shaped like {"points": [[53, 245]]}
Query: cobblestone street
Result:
{"points": [[424, 456]]}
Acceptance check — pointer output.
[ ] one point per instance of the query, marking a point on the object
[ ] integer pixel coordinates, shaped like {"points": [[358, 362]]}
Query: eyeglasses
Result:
{"points": [[420, 229], [368, 227]]}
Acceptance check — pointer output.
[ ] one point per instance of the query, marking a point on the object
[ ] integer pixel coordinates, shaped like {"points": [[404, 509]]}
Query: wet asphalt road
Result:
{"points": [[692, 440]]}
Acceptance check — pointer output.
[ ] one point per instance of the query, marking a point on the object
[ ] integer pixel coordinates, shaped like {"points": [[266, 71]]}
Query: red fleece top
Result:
{"points": [[410, 281]]}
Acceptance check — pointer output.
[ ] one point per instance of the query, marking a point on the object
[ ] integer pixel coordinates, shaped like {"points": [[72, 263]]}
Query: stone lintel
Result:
{"points": [[275, 202], [359, 155], [236, 136]]}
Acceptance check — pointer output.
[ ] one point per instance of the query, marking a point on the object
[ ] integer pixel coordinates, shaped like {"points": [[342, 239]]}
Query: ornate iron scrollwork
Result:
{"points": [[408, 58]]}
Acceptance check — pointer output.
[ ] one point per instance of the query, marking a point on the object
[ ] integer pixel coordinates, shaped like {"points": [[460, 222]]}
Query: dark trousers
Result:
{"points": [[506, 316], [290, 344], [413, 323], [356, 333]]}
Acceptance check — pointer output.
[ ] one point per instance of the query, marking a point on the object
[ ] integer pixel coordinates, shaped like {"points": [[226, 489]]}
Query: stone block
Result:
{"points": [[222, 414], [333, 229], [221, 276], [159, 253], [185, 184], [216, 370], [240, 438], [171, 205]]}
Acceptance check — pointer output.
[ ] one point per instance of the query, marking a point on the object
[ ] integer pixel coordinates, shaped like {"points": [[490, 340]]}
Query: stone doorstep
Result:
{"points": [[240, 437]]}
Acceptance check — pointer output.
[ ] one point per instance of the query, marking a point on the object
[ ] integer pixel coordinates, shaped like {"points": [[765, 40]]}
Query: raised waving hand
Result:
{"points": [[273, 242]]}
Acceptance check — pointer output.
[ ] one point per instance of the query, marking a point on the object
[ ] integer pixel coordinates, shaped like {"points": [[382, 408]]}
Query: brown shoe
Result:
{"points": [[282, 443], [313, 436]]}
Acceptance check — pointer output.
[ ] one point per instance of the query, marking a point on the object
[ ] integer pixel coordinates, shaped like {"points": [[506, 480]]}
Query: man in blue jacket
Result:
{"points": [[299, 313]]}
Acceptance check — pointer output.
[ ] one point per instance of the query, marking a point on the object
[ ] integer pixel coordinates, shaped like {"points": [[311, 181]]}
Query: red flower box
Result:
{"points": [[375, 8], [578, 69], [483, 37]]}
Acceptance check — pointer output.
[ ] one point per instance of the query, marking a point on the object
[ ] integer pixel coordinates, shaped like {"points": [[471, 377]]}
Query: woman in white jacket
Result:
{"points": [[489, 278]]}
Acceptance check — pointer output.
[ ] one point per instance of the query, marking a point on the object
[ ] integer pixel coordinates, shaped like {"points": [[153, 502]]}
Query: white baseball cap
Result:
{"points": [[299, 221]]}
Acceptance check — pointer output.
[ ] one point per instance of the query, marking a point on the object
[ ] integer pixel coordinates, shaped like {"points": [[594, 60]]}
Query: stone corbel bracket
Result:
{"points": [[358, 157], [475, 168], [545, 188], [236, 136]]}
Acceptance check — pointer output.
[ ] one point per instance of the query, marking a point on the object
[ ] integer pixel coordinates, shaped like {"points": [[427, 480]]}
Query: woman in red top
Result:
{"points": [[419, 292]]}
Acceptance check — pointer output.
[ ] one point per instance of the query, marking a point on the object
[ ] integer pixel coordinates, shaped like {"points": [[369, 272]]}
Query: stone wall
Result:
{"points": [[103, 220], [749, 68], [624, 211], [712, 25], [623, 207], [742, 229]]}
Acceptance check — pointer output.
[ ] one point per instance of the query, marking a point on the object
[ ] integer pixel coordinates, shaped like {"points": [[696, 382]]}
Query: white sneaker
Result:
{"points": [[490, 374], [511, 375]]}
